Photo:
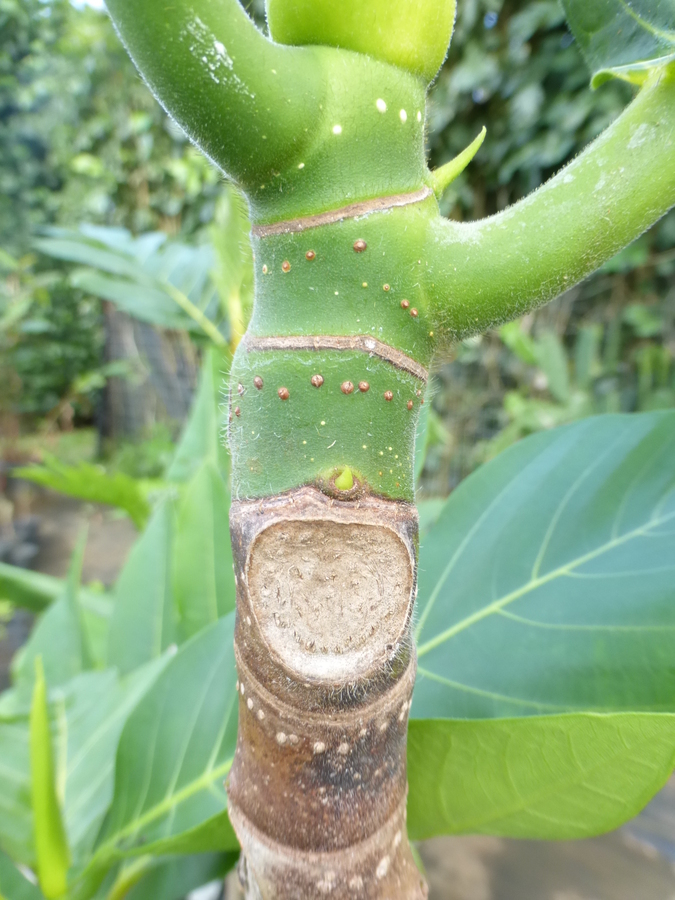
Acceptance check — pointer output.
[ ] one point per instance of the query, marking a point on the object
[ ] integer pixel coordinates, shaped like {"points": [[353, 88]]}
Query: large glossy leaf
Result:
{"points": [[51, 843], [202, 558], [623, 38], [92, 483], [74, 247], [143, 622], [547, 586], [547, 777], [174, 754], [548, 583]]}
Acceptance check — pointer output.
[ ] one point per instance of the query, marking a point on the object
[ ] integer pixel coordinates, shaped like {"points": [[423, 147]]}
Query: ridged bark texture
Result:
{"points": [[326, 668]]}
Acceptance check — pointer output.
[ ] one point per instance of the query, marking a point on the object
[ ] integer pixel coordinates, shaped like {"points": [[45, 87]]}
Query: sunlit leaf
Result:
{"points": [[90, 712], [166, 283], [547, 586], [543, 777], [87, 715], [36, 591], [144, 302], [31, 590]]}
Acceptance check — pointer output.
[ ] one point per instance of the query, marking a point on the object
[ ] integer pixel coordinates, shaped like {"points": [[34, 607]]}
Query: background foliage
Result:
{"points": [[82, 140]]}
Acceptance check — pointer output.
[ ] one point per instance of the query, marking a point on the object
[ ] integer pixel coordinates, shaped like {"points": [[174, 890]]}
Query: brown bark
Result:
{"points": [[325, 592]]}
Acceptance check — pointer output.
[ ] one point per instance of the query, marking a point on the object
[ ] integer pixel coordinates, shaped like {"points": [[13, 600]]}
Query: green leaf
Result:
{"points": [[442, 177], [144, 302], [74, 247], [174, 754], [92, 483], [31, 590], [519, 342], [96, 608], [58, 638], [547, 584], [202, 436], [51, 843], [13, 884], [547, 777], [547, 587], [143, 622], [174, 878], [623, 38], [203, 577], [16, 814], [87, 715], [90, 713], [159, 281], [36, 591], [429, 510], [553, 362]]}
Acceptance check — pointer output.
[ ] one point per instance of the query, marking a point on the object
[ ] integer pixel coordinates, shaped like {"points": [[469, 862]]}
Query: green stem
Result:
{"points": [[482, 273], [246, 101], [128, 878]]}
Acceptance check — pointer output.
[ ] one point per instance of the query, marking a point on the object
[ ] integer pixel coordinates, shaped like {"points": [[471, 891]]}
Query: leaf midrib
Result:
{"points": [[204, 782], [535, 583]]}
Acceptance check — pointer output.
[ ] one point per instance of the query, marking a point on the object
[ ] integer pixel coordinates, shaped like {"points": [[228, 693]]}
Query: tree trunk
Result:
{"points": [[325, 566]]}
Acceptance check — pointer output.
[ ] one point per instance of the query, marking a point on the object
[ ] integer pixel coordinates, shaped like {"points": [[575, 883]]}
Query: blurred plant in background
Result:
{"points": [[514, 67]]}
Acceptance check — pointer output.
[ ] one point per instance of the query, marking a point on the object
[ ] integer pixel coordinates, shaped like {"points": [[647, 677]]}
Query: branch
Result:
{"points": [[483, 273], [247, 102]]}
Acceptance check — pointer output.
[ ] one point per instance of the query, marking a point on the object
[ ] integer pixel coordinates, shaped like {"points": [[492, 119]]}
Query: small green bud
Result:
{"points": [[345, 480], [412, 36]]}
